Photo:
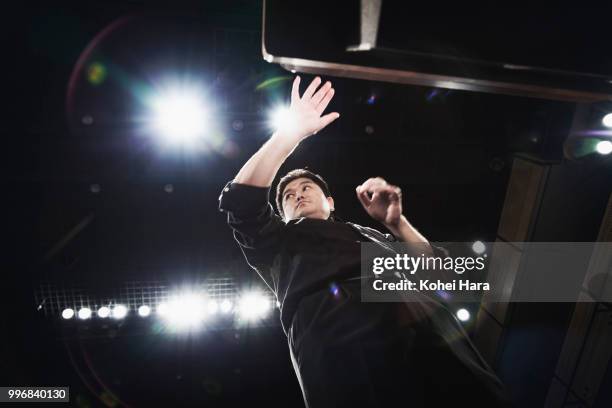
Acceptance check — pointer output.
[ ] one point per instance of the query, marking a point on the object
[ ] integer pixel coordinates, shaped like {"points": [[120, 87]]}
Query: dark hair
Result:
{"points": [[295, 174]]}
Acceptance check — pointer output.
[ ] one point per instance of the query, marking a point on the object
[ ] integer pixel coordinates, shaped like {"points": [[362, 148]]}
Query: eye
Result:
{"points": [[288, 195], [305, 187]]}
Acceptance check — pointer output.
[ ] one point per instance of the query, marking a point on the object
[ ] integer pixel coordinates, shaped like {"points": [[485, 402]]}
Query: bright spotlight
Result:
{"points": [[84, 313], [604, 147], [103, 312], [119, 312], [213, 307], [162, 309], [144, 311], [179, 116], [607, 120], [67, 313], [479, 247], [226, 306], [463, 315], [282, 119], [184, 310], [253, 306]]}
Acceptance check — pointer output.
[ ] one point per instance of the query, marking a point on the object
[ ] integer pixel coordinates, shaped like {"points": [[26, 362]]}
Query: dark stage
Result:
{"points": [[108, 204]]}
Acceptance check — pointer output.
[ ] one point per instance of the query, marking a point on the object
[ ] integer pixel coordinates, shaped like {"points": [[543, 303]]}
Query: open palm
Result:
{"points": [[306, 111]]}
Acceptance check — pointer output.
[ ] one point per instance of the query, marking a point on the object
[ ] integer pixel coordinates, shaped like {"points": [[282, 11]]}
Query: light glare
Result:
{"points": [[144, 311], [479, 247], [604, 147], [119, 312], [185, 310], [226, 306], [253, 306], [179, 116], [103, 312], [84, 313], [463, 315], [282, 119], [67, 313], [213, 307]]}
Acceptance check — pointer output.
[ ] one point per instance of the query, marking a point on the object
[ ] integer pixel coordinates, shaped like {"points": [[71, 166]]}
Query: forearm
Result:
{"points": [[404, 231], [260, 170]]}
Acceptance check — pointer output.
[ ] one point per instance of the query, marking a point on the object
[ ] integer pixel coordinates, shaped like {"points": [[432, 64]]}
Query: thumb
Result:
{"points": [[394, 212], [363, 198], [295, 90], [327, 119]]}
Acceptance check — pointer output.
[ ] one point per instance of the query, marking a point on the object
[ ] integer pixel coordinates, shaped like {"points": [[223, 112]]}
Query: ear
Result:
{"points": [[331, 203]]}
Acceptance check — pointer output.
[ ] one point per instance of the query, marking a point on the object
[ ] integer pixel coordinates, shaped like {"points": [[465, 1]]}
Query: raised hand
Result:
{"points": [[381, 200], [305, 111]]}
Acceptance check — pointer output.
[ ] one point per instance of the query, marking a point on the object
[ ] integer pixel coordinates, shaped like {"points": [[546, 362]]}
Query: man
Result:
{"points": [[346, 353]]}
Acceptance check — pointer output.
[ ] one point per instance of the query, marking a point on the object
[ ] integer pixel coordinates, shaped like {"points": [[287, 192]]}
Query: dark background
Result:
{"points": [[449, 151]]}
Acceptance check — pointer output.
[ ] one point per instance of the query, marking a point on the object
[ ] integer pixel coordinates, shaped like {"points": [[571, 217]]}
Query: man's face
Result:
{"points": [[304, 198]]}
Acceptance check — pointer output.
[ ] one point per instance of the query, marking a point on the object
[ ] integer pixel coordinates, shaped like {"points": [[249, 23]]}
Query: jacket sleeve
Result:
{"points": [[438, 251], [256, 228]]}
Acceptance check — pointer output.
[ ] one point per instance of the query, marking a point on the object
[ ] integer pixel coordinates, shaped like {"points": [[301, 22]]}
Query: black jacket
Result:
{"points": [[346, 352]]}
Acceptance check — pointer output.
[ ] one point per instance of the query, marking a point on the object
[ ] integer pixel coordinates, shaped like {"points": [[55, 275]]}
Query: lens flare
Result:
{"points": [[604, 147], [463, 315], [96, 73]]}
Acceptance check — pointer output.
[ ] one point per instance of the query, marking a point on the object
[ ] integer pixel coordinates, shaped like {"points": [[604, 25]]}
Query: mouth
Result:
{"points": [[300, 204]]}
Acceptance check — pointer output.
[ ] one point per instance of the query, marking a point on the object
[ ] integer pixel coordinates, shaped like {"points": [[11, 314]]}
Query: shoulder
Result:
{"points": [[243, 198]]}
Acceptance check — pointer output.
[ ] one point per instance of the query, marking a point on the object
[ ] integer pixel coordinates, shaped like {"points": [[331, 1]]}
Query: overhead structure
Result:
{"points": [[557, 56]]}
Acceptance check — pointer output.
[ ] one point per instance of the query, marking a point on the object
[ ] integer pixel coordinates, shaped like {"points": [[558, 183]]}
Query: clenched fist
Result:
{"points": [[381, 200]]}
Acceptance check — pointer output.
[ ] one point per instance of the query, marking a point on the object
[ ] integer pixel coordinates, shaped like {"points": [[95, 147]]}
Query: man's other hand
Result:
{"points": [[381, 200]]}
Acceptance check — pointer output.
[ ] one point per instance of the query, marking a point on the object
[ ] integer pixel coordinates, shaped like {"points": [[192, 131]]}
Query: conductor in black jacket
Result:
{"points": [[346, 353]]}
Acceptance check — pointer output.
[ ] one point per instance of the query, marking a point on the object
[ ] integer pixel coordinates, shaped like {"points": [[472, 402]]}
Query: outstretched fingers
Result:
{"points": [[320, 94], [295, 90], [327, 119], [325, 101], [311, 89]]}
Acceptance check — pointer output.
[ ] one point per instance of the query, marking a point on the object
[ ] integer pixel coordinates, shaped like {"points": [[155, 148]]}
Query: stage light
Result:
{"points": [[119, 312], [103, 312], [253, 306], [84, 313], [144, 311], [607, 120], [226, 306], [213, 307], [282, 119], [67, 313], [604, 147], [184, 310], [479, 247], [463, 315], [179, 116], [162, 309]]}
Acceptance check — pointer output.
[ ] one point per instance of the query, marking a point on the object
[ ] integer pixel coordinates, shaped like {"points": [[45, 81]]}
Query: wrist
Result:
{"points": [[285, 140], [284, 143], [396, 228]]}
